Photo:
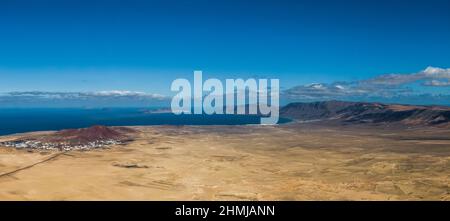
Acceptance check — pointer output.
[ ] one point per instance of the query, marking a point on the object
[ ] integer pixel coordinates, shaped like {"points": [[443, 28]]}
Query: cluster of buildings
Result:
{"points": [[36, 144]]}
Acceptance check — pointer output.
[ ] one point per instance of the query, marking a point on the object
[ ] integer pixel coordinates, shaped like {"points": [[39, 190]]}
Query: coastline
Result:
{"points": [[53, 119]]}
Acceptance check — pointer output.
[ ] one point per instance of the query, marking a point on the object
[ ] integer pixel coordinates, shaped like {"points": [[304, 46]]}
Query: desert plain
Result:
{"points": [[248, 162]]}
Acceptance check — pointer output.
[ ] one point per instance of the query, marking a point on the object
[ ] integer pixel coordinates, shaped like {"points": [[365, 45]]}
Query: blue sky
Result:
{"points": [[142, 46]]}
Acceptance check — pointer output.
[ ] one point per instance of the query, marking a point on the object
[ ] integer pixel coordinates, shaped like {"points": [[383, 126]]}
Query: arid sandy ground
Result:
{"points": [[289, 162]]}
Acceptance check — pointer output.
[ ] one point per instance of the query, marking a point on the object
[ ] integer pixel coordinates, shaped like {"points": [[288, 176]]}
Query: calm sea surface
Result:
{"points": [[14, 120]]}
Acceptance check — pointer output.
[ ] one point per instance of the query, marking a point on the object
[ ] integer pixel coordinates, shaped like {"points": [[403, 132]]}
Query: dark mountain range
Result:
{"points": [[360, 112]]}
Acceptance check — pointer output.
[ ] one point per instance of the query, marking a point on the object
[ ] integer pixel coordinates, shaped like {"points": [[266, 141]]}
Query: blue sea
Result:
{"points": [[19, 120]]}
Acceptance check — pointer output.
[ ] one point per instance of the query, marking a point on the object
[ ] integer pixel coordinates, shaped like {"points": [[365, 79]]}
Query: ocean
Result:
{"points": [[20, 120]]}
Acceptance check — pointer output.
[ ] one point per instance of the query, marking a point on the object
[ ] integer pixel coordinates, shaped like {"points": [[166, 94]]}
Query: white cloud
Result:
{"points": [[436, 83], [430, 73], [76, 99], [64, 95], [434, 72], [340, 87], [120, 93]]}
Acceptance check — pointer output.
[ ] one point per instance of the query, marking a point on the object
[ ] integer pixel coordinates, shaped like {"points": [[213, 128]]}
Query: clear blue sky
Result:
{"points": [[132, 45]]}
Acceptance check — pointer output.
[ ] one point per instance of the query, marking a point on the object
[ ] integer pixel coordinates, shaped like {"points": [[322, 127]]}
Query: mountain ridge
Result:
{"points": [[346, 112]]}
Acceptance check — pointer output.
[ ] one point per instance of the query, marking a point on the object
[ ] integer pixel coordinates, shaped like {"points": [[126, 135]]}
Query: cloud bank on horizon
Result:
{"points": [[114, 98], [430, 86]]}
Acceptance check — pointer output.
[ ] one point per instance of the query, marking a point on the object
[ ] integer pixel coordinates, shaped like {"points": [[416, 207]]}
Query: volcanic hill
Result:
{"points": [[84, 138]]}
